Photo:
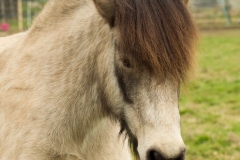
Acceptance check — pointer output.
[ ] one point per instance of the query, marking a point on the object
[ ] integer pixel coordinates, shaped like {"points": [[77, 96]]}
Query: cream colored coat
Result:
{"points": [[42, 86]]}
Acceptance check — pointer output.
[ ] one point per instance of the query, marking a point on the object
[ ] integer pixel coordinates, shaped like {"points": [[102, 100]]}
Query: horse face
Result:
{"points": [[155, 43], [149, 113]]}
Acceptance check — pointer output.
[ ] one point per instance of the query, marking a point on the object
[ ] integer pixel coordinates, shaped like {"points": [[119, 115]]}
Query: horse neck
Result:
{"points": [[76, 63]]}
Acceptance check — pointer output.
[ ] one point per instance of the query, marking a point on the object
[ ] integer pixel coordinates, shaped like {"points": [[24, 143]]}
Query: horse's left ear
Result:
{"points": [[106, 9], [185, 1]]}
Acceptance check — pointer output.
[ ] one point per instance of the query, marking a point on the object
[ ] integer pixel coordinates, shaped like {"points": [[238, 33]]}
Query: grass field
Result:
{"points": [[210, 110]]}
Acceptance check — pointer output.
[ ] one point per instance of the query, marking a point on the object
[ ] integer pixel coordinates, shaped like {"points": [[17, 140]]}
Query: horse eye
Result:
{"points": [[126, 63]]}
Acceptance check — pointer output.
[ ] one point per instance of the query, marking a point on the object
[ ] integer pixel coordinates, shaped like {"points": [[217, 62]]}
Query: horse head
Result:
{"points": [[153, 55]]}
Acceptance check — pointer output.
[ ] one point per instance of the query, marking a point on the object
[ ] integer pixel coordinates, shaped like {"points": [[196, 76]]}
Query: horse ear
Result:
{"points": [[185, 2], [106, 9]]}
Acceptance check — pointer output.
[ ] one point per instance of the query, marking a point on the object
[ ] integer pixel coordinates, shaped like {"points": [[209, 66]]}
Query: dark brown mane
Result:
{"points": [[158, 33]]}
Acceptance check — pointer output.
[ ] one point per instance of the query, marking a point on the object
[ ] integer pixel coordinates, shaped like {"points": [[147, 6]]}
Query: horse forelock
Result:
{"points": [[159, 34]]}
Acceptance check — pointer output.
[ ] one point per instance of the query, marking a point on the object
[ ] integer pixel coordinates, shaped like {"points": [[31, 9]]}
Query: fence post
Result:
{"points": [[29, 13], [3, 11], [226, 9], [12, 8], [20, 15]]}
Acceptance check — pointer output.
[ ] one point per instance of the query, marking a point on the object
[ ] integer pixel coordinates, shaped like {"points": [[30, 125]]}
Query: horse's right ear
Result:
{"points": [[106, 9]]}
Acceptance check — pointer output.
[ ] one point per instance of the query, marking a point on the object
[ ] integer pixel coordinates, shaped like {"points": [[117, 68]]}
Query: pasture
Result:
{"points": [[210, 108]]}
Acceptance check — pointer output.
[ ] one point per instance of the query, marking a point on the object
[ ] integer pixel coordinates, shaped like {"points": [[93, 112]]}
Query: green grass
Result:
{"points": [[210, 111]]}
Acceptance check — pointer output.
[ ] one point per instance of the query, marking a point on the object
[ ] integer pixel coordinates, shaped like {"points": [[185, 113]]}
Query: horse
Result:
{"points": [[97, 79]]}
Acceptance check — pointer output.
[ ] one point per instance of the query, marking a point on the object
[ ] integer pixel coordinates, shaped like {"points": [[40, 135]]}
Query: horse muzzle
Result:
{"points": [[155, 154], [162, 148]]}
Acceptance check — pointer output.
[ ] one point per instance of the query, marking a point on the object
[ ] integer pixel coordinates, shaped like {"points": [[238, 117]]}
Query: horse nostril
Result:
{"points": [[181, 156], [154, 155]]}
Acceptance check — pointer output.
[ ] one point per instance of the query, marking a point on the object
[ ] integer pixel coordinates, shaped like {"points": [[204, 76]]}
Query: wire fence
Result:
{"points": [[216, 13], [18, 15]]}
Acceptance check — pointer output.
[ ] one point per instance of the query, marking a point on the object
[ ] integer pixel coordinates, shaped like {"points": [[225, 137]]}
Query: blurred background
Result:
{"points": [[210, 107], [216, 13], [17, 15]]}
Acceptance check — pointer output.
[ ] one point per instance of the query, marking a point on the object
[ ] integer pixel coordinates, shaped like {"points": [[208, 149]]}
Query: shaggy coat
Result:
{"points": [[88, 71]]}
